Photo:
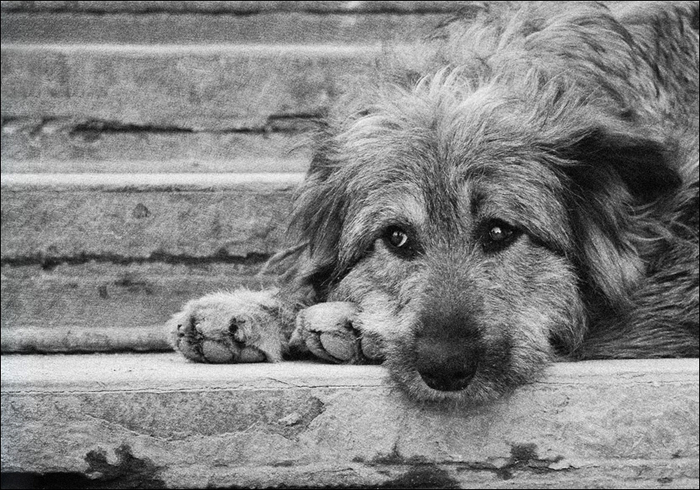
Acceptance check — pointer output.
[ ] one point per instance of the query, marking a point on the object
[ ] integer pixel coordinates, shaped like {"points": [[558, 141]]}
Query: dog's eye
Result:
{"points": [[499, 235], [399, 240]]}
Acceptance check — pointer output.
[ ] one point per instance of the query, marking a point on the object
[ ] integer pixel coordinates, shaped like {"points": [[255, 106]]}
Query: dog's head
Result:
{"points": [[478, 221]]}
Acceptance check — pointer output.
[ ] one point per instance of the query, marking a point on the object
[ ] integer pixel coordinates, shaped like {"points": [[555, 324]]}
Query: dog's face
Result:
{"points": [[454, 244], [464, 276], [477, 229]]}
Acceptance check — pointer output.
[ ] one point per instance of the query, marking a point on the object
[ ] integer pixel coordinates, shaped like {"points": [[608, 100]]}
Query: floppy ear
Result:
{"points": [[641, 164], [612, 174], [317, 221]]}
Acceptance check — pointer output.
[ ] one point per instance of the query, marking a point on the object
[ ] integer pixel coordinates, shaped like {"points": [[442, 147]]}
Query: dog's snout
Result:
{"points": [[447, 344], [445, 365]]}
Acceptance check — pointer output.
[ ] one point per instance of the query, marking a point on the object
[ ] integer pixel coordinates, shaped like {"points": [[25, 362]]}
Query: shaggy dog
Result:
{"points": [[521, 189]]}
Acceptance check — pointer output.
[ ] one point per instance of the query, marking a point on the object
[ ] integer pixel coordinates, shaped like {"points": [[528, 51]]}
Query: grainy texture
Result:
{"points": [[99, 262], [208, 87], [74, 278], [140, 420], [74, 146], [230, 7], [190, 28], [106, 306], [520, 190], [64, 217]]}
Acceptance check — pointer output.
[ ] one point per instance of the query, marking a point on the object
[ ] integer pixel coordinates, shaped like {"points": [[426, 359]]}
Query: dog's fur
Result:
{"points": [[522, 189]]}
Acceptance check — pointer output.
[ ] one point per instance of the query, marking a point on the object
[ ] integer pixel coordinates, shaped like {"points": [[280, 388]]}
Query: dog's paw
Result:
{"points": [[241, 326], [331, 331]]}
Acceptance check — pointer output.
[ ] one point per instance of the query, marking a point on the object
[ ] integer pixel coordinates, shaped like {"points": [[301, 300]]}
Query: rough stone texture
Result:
{"points": [[56, 217], [98, 262], [72, 146], [98, 307], [158, 420], [246, 7], [206, 87], [269, 28], [108, 337]]}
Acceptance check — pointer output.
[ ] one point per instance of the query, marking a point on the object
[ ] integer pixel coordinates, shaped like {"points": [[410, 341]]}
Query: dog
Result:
{"points": [[520, 189]]}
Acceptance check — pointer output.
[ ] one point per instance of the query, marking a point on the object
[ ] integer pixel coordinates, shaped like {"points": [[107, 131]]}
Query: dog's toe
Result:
{"points": [[330, 332], [241, 326]]}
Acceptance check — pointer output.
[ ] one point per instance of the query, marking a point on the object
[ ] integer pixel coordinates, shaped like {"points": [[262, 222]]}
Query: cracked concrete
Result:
{"points": [[616, 424]]}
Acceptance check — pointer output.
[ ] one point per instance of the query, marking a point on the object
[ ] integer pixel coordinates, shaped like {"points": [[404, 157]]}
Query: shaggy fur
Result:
{"points": [[521, 189]]}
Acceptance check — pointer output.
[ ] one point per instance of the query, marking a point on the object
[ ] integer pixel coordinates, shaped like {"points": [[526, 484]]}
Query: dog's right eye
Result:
{"points": [[398, 240]]}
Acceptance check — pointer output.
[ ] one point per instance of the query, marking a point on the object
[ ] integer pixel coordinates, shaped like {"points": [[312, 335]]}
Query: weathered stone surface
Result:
{"points": [[106, 307], [69, 146], [193, 87], [190, 28], [245, 7], [158, 420], [80, 339], [120, 217], [99, 262]]}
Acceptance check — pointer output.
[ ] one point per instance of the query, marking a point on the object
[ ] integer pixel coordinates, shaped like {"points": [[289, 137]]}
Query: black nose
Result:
{"points": [[446, 366]]}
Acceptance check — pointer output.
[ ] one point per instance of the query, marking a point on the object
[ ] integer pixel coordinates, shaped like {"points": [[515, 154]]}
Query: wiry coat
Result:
{"points": [[522, 188]]}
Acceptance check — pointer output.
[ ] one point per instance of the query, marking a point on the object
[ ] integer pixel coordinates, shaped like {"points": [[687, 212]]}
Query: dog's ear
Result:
{"points": [[317, 220], [614, 156], [613, 174]]}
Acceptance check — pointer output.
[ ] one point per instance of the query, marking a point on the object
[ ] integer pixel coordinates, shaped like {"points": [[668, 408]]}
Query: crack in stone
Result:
{"points": [[221, 257]]}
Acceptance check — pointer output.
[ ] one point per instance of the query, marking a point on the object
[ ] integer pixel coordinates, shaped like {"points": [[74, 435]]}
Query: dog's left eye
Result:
{"points": [[499, 235]]}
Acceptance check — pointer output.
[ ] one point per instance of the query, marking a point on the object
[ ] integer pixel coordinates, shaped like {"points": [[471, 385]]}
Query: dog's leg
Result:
{"points": [[332, 332], [239, 326]]}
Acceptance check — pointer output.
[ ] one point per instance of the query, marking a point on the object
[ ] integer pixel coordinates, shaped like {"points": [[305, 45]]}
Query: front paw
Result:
{"points": [[241, 326], [331, 331]]}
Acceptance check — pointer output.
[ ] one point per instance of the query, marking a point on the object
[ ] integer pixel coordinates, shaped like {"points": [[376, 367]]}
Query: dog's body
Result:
{"points": [[524, 189]]}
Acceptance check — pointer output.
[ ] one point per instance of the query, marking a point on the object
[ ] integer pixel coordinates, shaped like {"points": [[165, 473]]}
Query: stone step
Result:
{"points": [[107, 307], [156, 420], [54, 218], [185, 87], [67, 145], [99, 262], [231, 7], [272, 27]]}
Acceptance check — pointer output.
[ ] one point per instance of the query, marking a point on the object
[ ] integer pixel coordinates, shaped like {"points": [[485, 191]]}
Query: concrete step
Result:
{"points": [[234, 8], [271, 27], [107, 307], [99, 262], [194, 65], [177, 86], [48, 218], [183, 86], [67, 145], [156, 420]]}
